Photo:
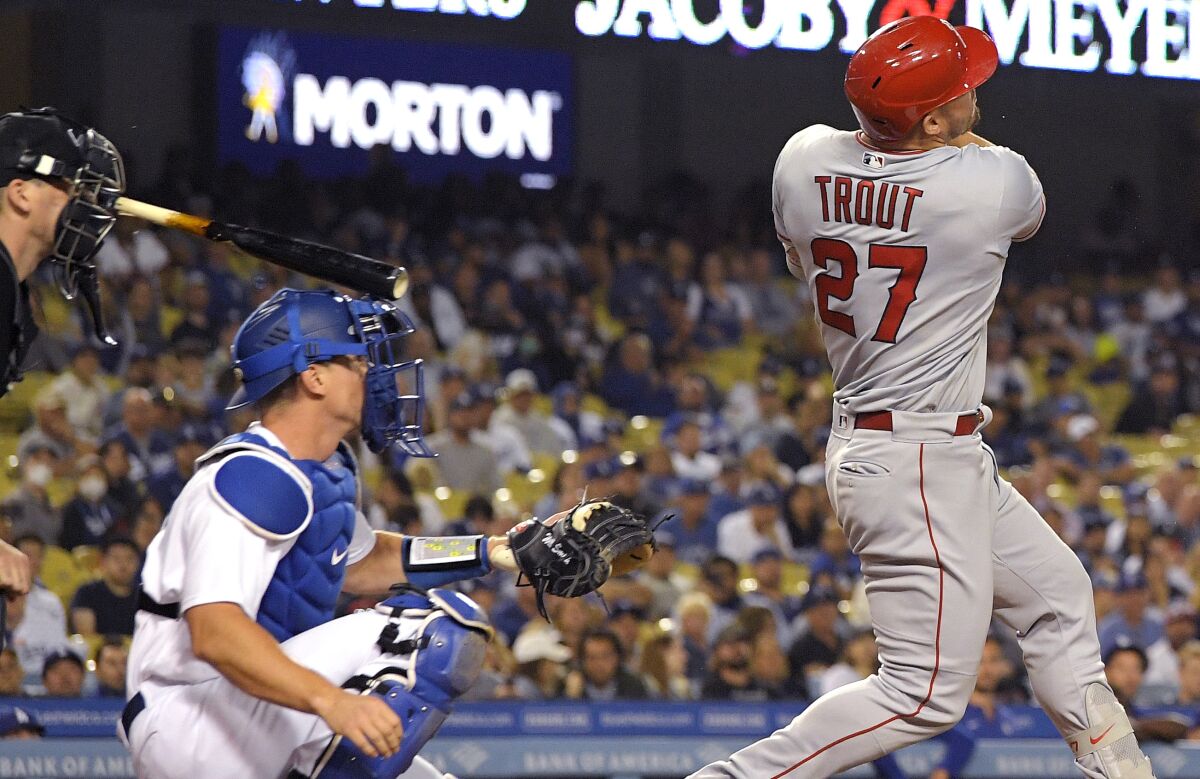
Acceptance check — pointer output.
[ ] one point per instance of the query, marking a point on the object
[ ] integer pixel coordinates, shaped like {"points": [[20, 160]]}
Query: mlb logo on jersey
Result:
{"points": [[872, 160]]}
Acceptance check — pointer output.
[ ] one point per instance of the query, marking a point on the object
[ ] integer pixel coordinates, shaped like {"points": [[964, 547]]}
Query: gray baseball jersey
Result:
{"points": [[908, 250], [904, 252]]}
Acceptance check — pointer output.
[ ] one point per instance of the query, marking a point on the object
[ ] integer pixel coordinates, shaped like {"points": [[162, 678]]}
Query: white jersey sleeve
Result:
{"points": [[363, 540], [1022, 202]]}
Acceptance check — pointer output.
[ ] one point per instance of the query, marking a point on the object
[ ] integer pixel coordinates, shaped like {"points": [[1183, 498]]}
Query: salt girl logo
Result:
{"points": [[268, 64], [436, 118], [1078, 35]]}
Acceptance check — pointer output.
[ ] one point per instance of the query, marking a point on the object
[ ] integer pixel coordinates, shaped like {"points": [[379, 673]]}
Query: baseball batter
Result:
{"points": [[901, 231], [257, 548]]}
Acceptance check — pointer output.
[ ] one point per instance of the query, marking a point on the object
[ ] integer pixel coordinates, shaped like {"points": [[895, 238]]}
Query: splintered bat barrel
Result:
{"points": [[313, 259], [325, 262]]}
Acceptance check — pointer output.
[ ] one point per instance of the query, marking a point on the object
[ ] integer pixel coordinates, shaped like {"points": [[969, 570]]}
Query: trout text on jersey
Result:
{"points": [[865, 202]]}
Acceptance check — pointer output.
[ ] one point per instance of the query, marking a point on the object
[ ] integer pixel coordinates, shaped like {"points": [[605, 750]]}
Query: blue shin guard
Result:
{"points": [[433, 651]]}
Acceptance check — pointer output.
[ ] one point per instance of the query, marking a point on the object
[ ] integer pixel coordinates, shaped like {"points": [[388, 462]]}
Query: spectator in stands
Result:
{"points": [[1088, 454], [123, 491], [50, 429], [107, 606], [84, 391], [149, 448], [689, 459], [742, 534], [636, 283], [719, 577], [513, 611], [1166, 299], [773, 421], [601, 674], [835, 564], [1189, 674], [110, 659], [730, 677], [1162, 657], [859, 659], [663, 667], [627, 489], [719, 310], [632, 384], [1062, 394], [1007, 372], [541, 661], [570, 421], [33, 636], [44, 613], [1104, 589], [625, 618], [503, 440], [28, 505], [659, 578], [11, 674], [820, 642], [696, 405], [463, 463], [63, 674], [132, 249], [804, 515], [147, 521], [191, 441], [198, 327], [1154, 408], [768, 660], [1132, 624], [20, 724], [1090, 547], [533, 425], [693, 614], [194, 387], [1009, 443], [90, 515], [1125, 666], [767, 565], [776, 312]]}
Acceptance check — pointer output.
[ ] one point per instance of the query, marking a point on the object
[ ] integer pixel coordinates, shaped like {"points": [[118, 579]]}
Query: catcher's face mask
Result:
{"points": [[394, 401]]}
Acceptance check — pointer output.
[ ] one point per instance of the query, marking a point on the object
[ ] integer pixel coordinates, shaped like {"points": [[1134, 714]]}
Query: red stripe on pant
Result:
{"points": [[937, 639]]}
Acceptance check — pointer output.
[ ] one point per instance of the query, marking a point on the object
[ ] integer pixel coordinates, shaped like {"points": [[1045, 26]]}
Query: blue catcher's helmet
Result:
{"points": [[297, 328]]}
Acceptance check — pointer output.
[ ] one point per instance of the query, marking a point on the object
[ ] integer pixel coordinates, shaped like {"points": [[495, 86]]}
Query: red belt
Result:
{"points": [[882, 420]]}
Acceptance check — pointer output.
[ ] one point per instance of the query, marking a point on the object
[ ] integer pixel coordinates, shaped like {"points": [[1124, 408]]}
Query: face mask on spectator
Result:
{"points": [[38, 474], [92, 487]]}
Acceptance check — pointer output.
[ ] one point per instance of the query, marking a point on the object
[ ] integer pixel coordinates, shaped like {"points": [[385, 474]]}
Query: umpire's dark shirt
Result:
{"points": [[17, 329]]}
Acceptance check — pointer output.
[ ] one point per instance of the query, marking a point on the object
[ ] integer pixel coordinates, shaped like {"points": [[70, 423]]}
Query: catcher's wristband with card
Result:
{"points": [[434, 562]]}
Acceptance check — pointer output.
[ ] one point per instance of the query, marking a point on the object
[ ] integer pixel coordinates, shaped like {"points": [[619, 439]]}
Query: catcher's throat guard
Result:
{"points": [[432, 651]]}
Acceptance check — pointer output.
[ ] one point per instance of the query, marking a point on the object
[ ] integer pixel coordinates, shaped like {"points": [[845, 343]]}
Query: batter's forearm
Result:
{"points": [[249, 657]]}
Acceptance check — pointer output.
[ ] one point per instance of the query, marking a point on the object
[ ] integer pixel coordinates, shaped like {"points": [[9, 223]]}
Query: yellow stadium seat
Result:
{"points": [[15, 407], [62, 574], [87, 558], [596, 405]]}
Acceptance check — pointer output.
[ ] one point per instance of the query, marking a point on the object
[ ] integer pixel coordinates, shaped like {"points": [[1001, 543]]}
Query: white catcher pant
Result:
{"points": [[215, 730], [944, 543]]}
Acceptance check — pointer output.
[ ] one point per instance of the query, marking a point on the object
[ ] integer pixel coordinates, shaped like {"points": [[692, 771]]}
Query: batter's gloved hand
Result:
{"points": [[576, 555]]}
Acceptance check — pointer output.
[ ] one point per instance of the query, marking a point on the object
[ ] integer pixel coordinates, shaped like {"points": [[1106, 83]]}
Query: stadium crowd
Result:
{"points": [[667, 362]]}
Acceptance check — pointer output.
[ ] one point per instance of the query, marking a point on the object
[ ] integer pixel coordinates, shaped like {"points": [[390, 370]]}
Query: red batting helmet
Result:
{"points": [[910, 67]]}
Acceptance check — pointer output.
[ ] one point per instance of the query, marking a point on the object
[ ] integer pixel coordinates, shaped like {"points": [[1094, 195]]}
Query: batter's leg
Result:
{"points": [[1043, 593], [919, 517]]}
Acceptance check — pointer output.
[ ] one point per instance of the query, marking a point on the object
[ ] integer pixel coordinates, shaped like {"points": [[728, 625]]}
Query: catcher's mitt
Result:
{"points": [[576, 555]]}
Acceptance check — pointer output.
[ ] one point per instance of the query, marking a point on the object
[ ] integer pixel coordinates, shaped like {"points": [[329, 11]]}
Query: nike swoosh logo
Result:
{"points": [[1100, 738], [337, 558]]}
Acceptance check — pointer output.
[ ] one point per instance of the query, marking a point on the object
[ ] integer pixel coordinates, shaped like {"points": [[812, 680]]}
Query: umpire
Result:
{"points": [[59, 182]]}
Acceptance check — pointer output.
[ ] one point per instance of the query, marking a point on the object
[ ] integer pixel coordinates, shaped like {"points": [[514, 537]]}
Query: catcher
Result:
{"points": [[236, 663]]}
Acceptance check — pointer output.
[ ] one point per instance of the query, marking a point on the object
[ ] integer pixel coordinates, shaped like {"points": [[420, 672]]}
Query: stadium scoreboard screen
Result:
{"points": [[326, 101]]}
